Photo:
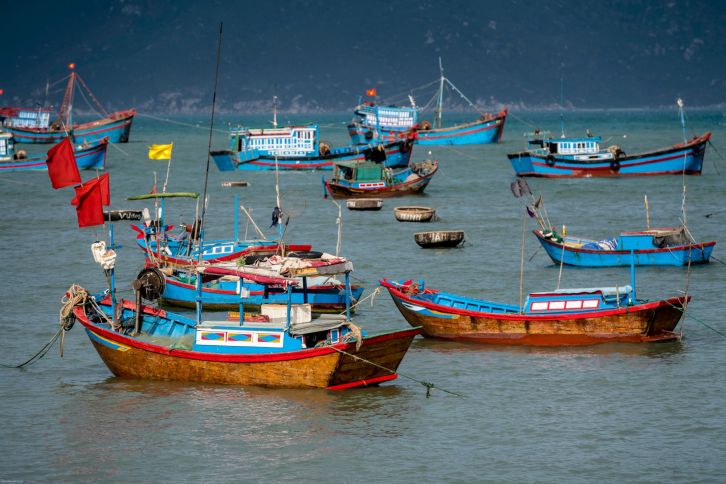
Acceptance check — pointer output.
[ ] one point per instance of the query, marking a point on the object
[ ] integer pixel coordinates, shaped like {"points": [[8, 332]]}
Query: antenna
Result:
{"points": [[209, 147], [562, 105], [274, 111]]}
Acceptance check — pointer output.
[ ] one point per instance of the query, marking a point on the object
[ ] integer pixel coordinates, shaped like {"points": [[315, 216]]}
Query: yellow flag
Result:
{"points": [[160, 152]]}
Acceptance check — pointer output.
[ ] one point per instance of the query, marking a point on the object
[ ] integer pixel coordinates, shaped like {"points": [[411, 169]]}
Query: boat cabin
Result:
{"points": [[366, 173], [569, 146], [7, 146], [578, 300], [287, 141], [25, 118], [389, 118]]}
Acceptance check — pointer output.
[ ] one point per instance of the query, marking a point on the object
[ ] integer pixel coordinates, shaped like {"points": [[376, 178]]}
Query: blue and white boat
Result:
{"points": [[34, 125], [89, 156], [298, 148], [373, 122], [583, 157], [652, 247], [225, 286]]}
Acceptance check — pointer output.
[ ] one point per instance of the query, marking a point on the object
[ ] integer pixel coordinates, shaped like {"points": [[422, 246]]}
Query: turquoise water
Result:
{"points": [[616, 412]]}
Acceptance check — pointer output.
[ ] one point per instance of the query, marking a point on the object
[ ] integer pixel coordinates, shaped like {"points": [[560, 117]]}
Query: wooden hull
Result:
{"points": [[322, 367], [479, 132], [116, 127], [678, 159], [412, 184], [667, 256], [414, 214], [641, 323]]}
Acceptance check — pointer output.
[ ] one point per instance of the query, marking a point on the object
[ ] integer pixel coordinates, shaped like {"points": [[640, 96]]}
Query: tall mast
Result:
{"points": [[66, 109], [562, 105], [274, 111], [209, 147], [439, 106]]}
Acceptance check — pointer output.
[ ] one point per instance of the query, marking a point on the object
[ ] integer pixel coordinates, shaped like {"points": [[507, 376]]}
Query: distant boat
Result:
{"points": [[652, 247], [365, 179], [439, 239], [298, 148], [555, 318], [29, 125], [583, 157], [373, 122], [88, 157]]}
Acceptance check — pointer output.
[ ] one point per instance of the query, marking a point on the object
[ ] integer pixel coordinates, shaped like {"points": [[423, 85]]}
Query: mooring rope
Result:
{"points": [[371, 296], [76, 295], [428, 385]]}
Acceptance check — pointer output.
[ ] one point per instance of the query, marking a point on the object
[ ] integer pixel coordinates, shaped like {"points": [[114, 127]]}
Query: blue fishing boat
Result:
{"points": [[163, 246], [583, 157], [224, 287], [298, 148], [362, 179], [89, 156], [653, 247], [34, 125], [373, 122]]}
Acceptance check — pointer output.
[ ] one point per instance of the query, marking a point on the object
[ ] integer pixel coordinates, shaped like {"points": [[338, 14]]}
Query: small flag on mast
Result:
{"points": [[160, 152], [371, 92]]}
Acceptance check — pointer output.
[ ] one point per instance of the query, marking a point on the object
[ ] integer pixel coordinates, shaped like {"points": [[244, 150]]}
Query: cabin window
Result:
{"points": [[334, 335]]}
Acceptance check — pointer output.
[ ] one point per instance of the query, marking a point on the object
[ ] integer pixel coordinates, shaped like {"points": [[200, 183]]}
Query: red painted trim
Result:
{"points": [[227, 358], [364, 383], [558, 317], [674, 248]]}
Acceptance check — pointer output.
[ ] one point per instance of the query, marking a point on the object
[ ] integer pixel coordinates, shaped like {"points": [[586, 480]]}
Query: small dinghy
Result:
{"points": [[438, 239], [414, 214], [365, 204]]}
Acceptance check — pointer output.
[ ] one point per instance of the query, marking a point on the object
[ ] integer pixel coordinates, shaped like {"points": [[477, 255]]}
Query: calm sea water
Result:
{"points": [[616, 412]]}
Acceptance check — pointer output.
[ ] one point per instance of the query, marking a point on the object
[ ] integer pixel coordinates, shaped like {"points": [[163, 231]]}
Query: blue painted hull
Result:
{"points": [[89, 158], [404, 182], [479, 132], [654, 256], [116, 127], [398, 154], [223, 295], [674, 160]]}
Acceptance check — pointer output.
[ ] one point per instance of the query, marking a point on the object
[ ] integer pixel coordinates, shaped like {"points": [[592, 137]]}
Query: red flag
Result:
{"points": [[103, 181], [89, 204], [371, 92], [62, 167]]}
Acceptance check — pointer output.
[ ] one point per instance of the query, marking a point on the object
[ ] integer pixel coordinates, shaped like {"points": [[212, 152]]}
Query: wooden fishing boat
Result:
{"points": [[583, 157], [366, 179], [224, 287], [564, 317], [364, 204], [285, 346], [414, 214], [298, 148], [89, 156], [389, 122], [30, 125], [439, 238], [653, 247]]}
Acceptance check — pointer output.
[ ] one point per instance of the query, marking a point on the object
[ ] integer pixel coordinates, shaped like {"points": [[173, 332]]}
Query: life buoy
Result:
{"points": [[550, 160]]}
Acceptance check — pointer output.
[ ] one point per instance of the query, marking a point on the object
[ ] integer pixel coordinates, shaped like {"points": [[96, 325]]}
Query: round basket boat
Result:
{"points": [[442, 238], [414, 214], [364, 204]]}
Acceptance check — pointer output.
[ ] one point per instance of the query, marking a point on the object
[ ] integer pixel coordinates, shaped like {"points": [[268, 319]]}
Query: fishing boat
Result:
{"points": [[366, 179], [34, 126], [652, 247], [584, 157], [284, 346], [298, 148], [89, 156], [372, 122], [554, 318], [224, 287]]}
